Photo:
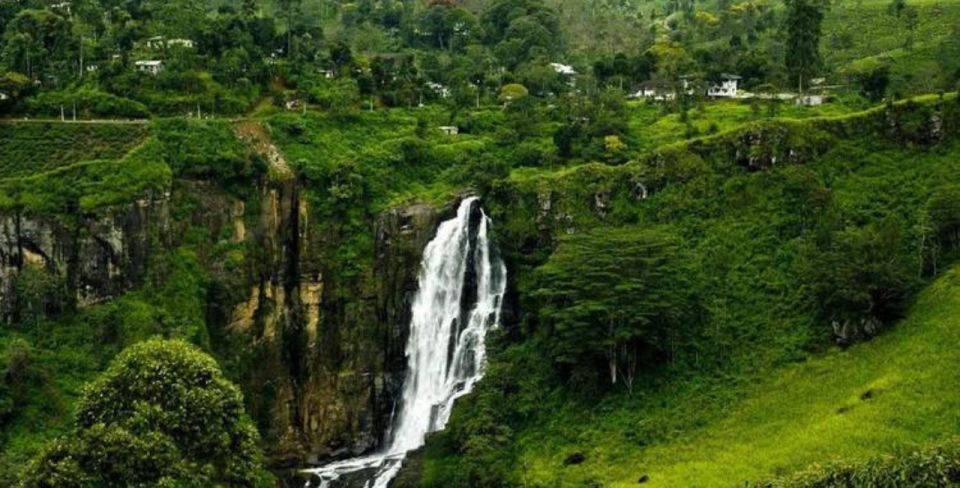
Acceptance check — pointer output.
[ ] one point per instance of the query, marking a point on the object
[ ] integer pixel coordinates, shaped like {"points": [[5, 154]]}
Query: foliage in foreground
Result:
{"points": [[162, 414], [935, 466]]}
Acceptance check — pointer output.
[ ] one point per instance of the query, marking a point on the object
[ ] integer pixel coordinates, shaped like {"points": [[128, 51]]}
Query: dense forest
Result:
{"points": [[675, 243]]}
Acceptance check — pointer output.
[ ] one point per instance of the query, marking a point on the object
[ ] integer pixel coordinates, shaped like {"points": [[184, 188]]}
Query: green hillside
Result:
{"points": [[666, 243], [859, 36], [750, 391], [892, 395]]}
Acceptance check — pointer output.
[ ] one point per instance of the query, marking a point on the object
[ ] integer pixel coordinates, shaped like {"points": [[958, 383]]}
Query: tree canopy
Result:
{"points": [[614, 295], [162, 414]]}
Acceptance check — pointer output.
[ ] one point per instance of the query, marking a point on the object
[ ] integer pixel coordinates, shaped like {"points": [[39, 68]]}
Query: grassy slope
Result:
{"points": [[650, 129], [879, 36], [890, 395], [764, 418]]}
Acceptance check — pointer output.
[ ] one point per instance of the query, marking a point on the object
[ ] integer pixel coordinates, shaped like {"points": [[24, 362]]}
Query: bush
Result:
{"points": [[162, 414], [936, 466], [17, 373], [942, 219], [340, 97], [859, 279], [204, 149], [39, 293], [534, 153], [89, 102]]}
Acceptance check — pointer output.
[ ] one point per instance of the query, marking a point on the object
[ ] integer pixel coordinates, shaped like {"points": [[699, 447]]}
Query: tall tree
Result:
{"points": [[291, 9], [803, 26], [617, 296]]}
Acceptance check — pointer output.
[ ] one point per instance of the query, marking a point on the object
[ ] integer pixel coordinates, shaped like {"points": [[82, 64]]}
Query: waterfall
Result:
{"points": [[461, 286]]}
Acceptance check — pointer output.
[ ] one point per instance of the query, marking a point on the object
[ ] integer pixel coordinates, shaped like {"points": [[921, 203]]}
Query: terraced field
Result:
{"points": [[33, 147]]}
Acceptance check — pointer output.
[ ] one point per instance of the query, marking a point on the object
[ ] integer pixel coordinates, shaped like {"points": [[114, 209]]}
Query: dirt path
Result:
{"points": [[254, 134]]}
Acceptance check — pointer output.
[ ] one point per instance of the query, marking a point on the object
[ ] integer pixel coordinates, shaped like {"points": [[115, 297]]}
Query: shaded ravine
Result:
{"points": [[461, 286]]}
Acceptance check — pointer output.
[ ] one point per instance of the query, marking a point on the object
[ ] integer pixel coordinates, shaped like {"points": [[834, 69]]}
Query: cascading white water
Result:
{"points": [[461, 287]]}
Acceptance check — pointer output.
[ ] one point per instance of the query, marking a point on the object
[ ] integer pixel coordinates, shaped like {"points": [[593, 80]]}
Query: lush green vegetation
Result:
{"points": [[703, 292], [48, 361], [935, 466], [88, 185], [219, 58], [162, 414], [36, 147], [783, 262]]}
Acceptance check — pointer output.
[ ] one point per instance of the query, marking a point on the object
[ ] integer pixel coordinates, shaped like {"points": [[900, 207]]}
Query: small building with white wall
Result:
{"points": [[812, 100], [727, 88], [152, 66], [563, 69], [647, 89], [160, 42]]}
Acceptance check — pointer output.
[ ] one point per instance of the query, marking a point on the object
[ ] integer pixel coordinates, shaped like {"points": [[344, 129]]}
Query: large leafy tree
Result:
{"points": [[856, 280], [39, 43], [521, 30], [161, 415], [613, 296]]}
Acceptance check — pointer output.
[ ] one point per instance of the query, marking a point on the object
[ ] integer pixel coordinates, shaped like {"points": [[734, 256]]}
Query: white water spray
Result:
{"points": [[462, 282]]}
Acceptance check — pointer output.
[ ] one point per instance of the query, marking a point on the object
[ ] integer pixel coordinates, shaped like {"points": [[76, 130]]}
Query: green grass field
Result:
{"points": [[650, 129]]}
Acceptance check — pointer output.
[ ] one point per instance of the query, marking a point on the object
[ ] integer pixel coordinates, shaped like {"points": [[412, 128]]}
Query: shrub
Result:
{"points": [[17, 373], [162, 414], [340, 97], [942, 217], [89, 102], [859, 279], [935, 466]]}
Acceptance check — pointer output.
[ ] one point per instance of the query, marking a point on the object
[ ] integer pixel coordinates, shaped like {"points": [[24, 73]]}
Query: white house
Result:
{"points": [[728, 87], [155, 42], [563, 69], [3, 96], [186, 43], [439, 89], [65, 6], [152, 66], [450, 130], [812, 100], [160, 42], [647, 89]]}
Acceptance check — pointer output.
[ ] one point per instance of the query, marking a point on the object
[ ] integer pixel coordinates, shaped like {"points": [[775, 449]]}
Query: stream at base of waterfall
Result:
{"points": [[461, 286]]}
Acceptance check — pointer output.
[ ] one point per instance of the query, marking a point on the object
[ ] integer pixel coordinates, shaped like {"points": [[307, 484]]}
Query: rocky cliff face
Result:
{"points": [[322, 353], [84, 260], [320, 356]]}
